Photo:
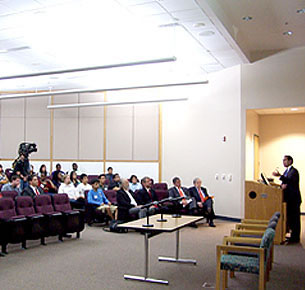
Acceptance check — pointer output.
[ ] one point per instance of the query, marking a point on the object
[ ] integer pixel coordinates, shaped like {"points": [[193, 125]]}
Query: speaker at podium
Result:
{"points": [[262, 200]]}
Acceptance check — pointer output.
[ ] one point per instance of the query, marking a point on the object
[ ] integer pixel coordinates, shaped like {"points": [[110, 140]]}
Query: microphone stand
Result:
{"points": [[148, 225], [161, 219], [177, 214]]}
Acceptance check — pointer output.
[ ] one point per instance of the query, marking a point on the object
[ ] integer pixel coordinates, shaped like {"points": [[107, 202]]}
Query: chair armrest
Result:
{"points": [[250, 227], [238, 249], [241, 240], [22, 219], [252, 221], [39, 216], [237, 233]]}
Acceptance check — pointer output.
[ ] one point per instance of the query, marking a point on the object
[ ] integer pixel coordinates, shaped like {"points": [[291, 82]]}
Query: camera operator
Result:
{"points": [[22, 169]]}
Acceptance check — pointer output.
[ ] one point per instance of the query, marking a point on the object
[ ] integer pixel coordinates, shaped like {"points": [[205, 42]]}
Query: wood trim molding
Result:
{"points": [[160, 143]]}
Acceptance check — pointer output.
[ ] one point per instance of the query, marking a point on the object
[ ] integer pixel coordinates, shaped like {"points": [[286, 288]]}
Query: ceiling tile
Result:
{"points": [[21, 5], [146, 9], [177, 5]]}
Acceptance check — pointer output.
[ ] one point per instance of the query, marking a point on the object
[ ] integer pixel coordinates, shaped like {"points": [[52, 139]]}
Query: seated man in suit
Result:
{"points": [[127, 204], [204, 202], [146, 194], [32, 189], [187, 203]]}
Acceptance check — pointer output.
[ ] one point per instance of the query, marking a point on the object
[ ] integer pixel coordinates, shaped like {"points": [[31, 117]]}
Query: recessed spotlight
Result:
{"points": [[198, 24], [294, 109], [207, 33], [300, 11], [288, 33], [247, 18]]}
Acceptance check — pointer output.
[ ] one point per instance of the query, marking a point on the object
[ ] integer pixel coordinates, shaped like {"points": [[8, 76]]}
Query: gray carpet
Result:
{"points": [[100, 259]]}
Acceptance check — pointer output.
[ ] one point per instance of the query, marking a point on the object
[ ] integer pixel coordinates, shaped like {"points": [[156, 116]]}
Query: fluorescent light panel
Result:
{"points": [[103, 104], [135, 63], [77, 91]]}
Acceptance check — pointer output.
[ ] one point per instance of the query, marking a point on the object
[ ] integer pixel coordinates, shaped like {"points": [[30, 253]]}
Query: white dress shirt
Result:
{"points": [[69, 189], [132, 200]]}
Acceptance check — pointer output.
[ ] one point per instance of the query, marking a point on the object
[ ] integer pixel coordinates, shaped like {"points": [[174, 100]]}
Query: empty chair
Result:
{"points": [[54, 219], [36, 226], [111, 195], [161, 190], [12, 226], [73, 219], [10, 194], [92, 177]]}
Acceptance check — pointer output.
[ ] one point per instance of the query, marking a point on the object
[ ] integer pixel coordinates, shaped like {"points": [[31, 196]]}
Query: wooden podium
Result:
{"points": [[262, 201]]}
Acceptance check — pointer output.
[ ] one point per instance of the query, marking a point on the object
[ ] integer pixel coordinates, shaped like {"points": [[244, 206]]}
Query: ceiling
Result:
{"points": [[204, 35], [39, 35], [263, 34], [278, 111]]}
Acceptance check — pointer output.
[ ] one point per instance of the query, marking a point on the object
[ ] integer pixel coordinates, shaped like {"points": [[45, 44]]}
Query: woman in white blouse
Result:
{"points": [[134, 183]]}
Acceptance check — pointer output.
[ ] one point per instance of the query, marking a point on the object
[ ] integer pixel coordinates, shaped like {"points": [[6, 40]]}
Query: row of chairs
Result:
{"points": [[22, 219], [248, 249]]}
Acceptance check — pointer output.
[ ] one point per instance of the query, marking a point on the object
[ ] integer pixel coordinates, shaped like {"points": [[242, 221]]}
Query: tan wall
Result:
{"points": [[252, 128], [280, 135]]}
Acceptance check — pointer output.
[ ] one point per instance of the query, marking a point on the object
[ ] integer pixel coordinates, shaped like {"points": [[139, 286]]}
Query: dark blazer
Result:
{"points": [[143, 197], [173, 192], [194, 193], [124, 205], [28, 191], [292, 193]]}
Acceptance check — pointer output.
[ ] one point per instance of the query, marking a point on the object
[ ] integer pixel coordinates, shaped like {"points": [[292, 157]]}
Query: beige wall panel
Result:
{"points": [[66, 99], [11, 135], [38, 131], [37, 107], [146, 132], [65, 138], [91, 136], [12, 108], [119, 133], [95, 112]]}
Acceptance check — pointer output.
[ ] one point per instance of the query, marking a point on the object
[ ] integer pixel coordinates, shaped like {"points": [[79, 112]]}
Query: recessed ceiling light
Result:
{"points": [[294, 109], [207, 33], [247, 18], [300, 11], [198, 24], [3, 50], [288, 32]]}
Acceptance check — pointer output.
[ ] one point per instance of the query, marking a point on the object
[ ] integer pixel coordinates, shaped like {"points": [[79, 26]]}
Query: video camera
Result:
{"points": [[26, 149]]}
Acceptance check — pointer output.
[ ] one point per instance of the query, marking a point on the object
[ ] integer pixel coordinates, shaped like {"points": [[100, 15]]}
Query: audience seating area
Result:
{"points": [[22, 219], [248, 249]]}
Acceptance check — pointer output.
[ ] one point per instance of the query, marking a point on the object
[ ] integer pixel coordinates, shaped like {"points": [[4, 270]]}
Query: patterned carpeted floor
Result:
{"points": [[100, 259]]}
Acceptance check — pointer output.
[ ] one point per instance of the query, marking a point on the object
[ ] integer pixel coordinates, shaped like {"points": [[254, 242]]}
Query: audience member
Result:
{"points": [[68, 187], [109, 174], [57, 178], [97, 198], [43, 170], [46, 184], [32, 189], [134, 183], [58, 169], [204, 203], [32, 169], [3, 177], [74, 179], [14, 185], [187, 203], [115, 184], [83, 186], [146, 194], [127, 205], [103, 182], [74, 167]]}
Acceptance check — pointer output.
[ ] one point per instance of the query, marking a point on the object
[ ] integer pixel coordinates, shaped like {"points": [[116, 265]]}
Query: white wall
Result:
{"points": [[275, 82], [192, 140], [252, 125]]}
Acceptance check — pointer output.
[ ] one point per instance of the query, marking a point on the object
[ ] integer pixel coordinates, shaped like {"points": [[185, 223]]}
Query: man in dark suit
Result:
{"points": [[187, 203], [292, 196], [146, 194], [204, 203], [127, 204], [32, 189]]}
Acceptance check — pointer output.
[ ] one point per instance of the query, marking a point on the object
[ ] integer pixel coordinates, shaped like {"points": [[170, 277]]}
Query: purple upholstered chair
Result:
{"points": [[111, 196], [54, 219], [11, 194], [12, 226], [36, 225], [161, 190], [92, 177], [73, 219]]}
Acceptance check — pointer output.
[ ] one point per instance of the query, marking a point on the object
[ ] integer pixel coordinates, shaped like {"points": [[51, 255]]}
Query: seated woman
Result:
{"points": [[68, 188], [97, 198], [46, 184], [134, 183], [3, 177], [43, 170], [73, 178]]}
